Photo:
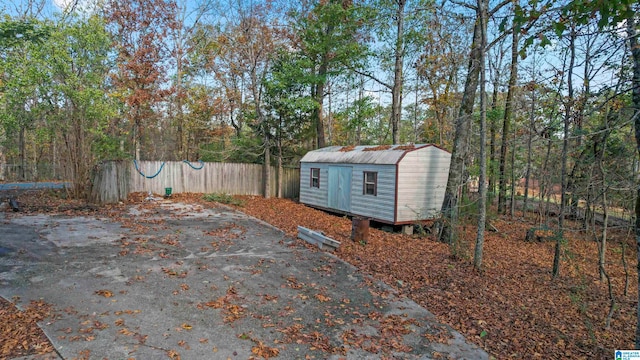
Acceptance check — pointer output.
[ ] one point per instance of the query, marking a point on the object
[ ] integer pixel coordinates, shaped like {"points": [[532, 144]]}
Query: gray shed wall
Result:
{"points": [[380, 207], [314, 196], [421, 182]]}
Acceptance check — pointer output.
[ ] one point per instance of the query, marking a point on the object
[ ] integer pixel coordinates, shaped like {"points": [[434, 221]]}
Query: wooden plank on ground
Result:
{"points": [[317, 238]]}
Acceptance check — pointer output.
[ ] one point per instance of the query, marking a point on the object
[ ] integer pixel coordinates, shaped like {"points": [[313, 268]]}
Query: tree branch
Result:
{"points": [[498, 7], [468, 6], [372, 77]]}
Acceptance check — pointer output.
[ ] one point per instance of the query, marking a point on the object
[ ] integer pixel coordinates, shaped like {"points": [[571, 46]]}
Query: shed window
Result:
{"points": [[370, 186], [315, 177]]}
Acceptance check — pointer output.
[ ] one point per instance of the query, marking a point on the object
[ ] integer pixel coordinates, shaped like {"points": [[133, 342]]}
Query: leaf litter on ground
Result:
{"points": [[511, 309]]}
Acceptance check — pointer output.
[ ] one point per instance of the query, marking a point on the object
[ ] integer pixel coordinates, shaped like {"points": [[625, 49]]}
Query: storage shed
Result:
{"points": [[393, 184]]}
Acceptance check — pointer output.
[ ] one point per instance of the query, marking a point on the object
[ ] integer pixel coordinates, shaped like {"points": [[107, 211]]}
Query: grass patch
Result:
{"points": [[223, 199]]}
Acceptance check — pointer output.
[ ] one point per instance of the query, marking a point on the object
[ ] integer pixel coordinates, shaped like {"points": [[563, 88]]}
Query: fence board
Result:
{"points": [[114, 180]]}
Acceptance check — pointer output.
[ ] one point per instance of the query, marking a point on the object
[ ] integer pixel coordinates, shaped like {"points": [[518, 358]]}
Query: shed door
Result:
{"points": [[340, 188]]}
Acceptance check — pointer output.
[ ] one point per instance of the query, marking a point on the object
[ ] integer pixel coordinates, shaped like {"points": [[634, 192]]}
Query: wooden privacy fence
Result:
{"points": [[114, 180]]}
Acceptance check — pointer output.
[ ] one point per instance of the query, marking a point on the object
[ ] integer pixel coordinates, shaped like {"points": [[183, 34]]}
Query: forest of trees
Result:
{"points": [[534, 99], [251, 81]]}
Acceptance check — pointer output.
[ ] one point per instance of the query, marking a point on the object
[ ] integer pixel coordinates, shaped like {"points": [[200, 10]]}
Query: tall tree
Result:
{"points": [[213, 59], [459, 154], [187, 17], [568, 115], [77, 57], [482, 189], [611, 14], [403, 35], [140, 29], [23, 10], [398, 61], [54, 96], [506, 123], [251, 35], [14, 32], [24, 79], [439, 66], [496, 71], [634, 45], [288, 105], [328, 34]]}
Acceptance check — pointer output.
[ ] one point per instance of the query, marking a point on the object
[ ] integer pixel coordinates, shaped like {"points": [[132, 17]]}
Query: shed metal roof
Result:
{"points": [[383, 155]]}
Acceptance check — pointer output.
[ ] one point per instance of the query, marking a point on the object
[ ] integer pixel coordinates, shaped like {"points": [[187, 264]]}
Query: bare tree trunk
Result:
{"points": [[181, 151], [512, 196], [632, 35], [565, 149], [545, 182], [267, 166], [527, 175], [586, 221], [180, 34], [493, 127], [461, 142], [23, 153], [624, 266], [482, 188], [415, 113], [136, 136], [359, 115], [266, 141], [572, 177], [492, 144], [603, 243], [318, 95], [279, 184], [579, 164], [329, 138], [396, 90], [506, 125]]}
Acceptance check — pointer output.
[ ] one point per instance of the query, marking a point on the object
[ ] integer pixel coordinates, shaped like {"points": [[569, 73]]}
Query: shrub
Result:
{"points": [[223, 199]]}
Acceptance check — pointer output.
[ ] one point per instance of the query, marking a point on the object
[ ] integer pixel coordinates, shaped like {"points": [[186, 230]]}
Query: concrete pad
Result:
{"points": [[205, 283]]}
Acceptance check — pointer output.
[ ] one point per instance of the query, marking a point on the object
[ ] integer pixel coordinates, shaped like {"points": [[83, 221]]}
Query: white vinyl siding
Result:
{"points": [[422, 182]]}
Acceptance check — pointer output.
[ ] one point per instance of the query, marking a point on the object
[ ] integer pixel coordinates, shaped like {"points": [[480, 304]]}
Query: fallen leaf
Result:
{"points": [[126, 332], [105, 293], [173, 355], [322, 298], [264, 351]]}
